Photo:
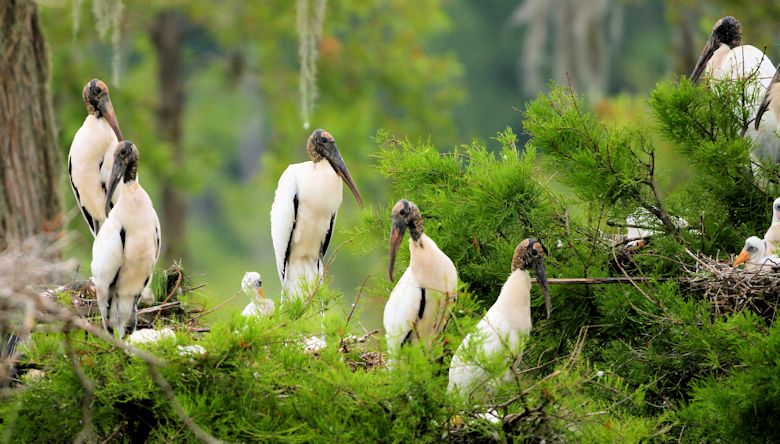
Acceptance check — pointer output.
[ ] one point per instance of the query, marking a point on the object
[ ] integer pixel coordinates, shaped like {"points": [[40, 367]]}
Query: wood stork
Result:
{"points": [[252, 285], [754, 255], [724, 57], [772, 235], [500, 336], [304, 212], [90, 159], [127, 246], [771, 103], [417, 309]]}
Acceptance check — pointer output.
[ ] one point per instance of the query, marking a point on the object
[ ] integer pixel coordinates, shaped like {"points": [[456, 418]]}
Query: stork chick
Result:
{"points": [[304, 213], [91, 155], [418, 307], [127, 246], [755, 256], [500, 336], [252, 285], [772, 235]]}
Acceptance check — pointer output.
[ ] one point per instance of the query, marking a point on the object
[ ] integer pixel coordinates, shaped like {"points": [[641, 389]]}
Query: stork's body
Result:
{"points": [[724, 57], [772, 235], [487, 355], [91, 159], [303, 214], [127, 246], [767, 120], [418, 307], [755, 255]]}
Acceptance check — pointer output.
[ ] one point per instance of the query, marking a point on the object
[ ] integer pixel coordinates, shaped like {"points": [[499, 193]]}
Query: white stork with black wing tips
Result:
{"points": [[90, 159], [304, 212], [500, 336], [127, 246], [418, 307], [724, 57]]}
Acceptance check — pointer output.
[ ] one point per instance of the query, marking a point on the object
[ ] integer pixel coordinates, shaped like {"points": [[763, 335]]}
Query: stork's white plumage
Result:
{"points": [[252, 285], [767, 121], [90, 159], [126, 247], [724, 57], [418, 307], [772, 235], [304, 213], [488, 354], [755, 256]]}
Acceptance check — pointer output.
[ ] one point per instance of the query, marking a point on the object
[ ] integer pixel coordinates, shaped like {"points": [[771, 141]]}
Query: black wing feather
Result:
{"points": [[289, 241]]}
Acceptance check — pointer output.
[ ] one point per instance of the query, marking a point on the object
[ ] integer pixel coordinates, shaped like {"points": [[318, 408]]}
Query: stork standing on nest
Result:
{"points": [[500, 336], [127, 246], [90, 159], [418, 307], [755, 255], [724, 57], [252, 285], [304, 213]]}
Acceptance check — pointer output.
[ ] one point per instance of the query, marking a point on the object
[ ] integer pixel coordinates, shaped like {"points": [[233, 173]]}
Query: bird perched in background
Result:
{"points": [[304, 212], [500, 336], [90, 159], [127, 246], [252, 285], [417, 309], [772, 235], [724, 57], [755, 256]]}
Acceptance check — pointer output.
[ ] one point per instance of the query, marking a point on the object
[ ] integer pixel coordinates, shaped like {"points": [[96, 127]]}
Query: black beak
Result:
{"points": [[107, 110], [335, 160], [396, 235], [117, 173], [541, 278], [768, 97], [704, 57]]}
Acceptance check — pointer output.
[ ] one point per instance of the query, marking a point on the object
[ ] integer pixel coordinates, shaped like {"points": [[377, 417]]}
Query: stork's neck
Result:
{"points": [[313, 154], [514, 301]]}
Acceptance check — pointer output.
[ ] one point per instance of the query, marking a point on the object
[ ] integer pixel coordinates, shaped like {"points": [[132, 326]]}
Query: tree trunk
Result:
{"points": [[29, 156], [167, 32]]}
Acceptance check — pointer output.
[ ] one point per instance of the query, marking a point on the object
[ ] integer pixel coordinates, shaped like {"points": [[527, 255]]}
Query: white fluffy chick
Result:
{"points": [[252, 285]]}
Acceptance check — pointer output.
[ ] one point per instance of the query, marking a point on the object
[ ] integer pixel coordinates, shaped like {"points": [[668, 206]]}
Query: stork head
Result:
{"points": [[754, 248], [125, 168], [99, 104], [727, 31], [772, 91], [252, 282], [776, 211], [405, 215], [321, 145], [529, 254]]}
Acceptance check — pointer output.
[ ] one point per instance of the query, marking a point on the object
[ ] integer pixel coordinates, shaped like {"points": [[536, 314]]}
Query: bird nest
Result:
{"points": [[167, 306], [730, 290]]}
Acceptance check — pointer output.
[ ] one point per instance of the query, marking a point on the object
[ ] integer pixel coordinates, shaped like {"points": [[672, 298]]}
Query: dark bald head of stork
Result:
{"points": [[529, 254], [771, 91], [125, 168], [726, 31], [321, 145], [99, 104], [405, 215]]}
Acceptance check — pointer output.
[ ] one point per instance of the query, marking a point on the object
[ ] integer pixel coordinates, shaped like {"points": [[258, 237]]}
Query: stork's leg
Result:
{"points": [[103, 301]]}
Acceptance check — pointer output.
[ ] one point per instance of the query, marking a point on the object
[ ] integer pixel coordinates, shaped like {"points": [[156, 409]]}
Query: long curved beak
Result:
{"points": [[704, 57], [107, 109], [742, 258], [260, 293], [772, 90], [335, 160], [541, 278], [117, 172], [396, 235]]}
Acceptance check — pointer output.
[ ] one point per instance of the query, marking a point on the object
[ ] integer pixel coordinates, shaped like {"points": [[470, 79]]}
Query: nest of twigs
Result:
{"points": [[166, 306], [752, 287]]}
